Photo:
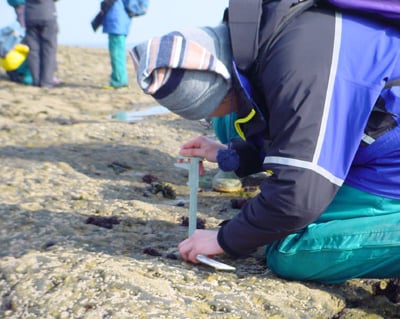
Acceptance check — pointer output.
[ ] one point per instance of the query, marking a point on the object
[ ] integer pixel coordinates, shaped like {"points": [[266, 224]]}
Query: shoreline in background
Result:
{"points": [[94, 45]]}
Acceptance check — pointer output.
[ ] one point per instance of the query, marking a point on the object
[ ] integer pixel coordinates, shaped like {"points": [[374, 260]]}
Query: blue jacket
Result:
{"points": [[320, 90], [117, 20], [10, 36]]}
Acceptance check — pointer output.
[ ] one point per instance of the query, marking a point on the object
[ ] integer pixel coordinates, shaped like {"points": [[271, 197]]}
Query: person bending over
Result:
{"points": [[318, 112]]}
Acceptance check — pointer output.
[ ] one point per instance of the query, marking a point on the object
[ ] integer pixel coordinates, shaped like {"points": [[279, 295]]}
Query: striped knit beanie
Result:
{"points": [[188, 71]]}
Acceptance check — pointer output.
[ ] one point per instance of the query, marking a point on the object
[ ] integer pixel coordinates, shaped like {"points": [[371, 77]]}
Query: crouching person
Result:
{"points": [[14, 54], [318, 113]]}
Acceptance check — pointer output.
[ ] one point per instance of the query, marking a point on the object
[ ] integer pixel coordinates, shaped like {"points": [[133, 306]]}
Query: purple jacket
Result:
{"points": [[386, 8]]}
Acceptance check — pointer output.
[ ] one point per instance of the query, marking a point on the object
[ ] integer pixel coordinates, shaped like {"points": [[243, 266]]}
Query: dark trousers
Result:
{"points": [[41, 37]]}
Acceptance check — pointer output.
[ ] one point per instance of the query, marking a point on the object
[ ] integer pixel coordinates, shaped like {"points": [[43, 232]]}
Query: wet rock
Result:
{"points": [[101, 221], [166, 189], [388, 288], [152, 252], [148, 179], [200, 222], [119, 168]]}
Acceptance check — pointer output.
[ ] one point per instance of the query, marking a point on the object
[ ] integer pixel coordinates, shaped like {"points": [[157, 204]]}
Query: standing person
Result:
{"points": [[116, 23], [321, 115], [41, 37]]}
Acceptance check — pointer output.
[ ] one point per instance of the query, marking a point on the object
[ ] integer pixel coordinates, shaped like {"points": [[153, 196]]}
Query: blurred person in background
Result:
{"points": [[115, 17], [41, 37]]}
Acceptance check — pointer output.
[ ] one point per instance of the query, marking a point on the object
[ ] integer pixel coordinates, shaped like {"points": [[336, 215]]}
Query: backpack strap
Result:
{"points": [[244, 24]]}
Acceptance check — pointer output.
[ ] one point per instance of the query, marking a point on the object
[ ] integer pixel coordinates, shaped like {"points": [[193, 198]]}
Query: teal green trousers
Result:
{"points": [[117, 51], [358, 236]]}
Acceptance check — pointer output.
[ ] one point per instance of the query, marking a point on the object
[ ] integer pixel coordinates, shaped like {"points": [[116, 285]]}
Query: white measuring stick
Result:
{"points": [[213, 263], [191, 164]]}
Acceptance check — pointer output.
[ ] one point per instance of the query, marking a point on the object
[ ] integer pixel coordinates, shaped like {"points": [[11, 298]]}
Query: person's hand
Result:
{"points": [[201, 242], [202, 146]]}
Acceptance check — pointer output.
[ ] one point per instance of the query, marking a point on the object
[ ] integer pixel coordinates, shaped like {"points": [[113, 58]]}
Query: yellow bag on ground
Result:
{"points": [[15, 57]]}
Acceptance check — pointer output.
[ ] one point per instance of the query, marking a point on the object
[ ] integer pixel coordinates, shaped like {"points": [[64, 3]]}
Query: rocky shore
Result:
{"points": [[92, 210]]}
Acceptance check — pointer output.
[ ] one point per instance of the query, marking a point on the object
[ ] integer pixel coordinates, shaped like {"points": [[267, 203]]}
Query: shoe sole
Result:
{"points": [[227, 189], [111, 88]]}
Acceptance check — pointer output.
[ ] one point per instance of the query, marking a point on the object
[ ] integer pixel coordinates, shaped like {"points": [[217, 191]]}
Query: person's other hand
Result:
{"points": [[201, 242], [202, 146]]}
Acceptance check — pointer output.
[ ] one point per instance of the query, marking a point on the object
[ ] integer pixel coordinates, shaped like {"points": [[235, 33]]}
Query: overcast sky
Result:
{"points": [[74, 18]]}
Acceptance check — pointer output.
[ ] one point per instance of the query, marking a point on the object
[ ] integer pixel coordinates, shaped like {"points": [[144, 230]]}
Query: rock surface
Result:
{"points": [[84, 235]]}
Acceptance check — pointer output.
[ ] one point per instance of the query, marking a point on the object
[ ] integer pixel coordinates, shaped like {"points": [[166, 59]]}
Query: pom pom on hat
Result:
{"points": [[228, 160]]}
